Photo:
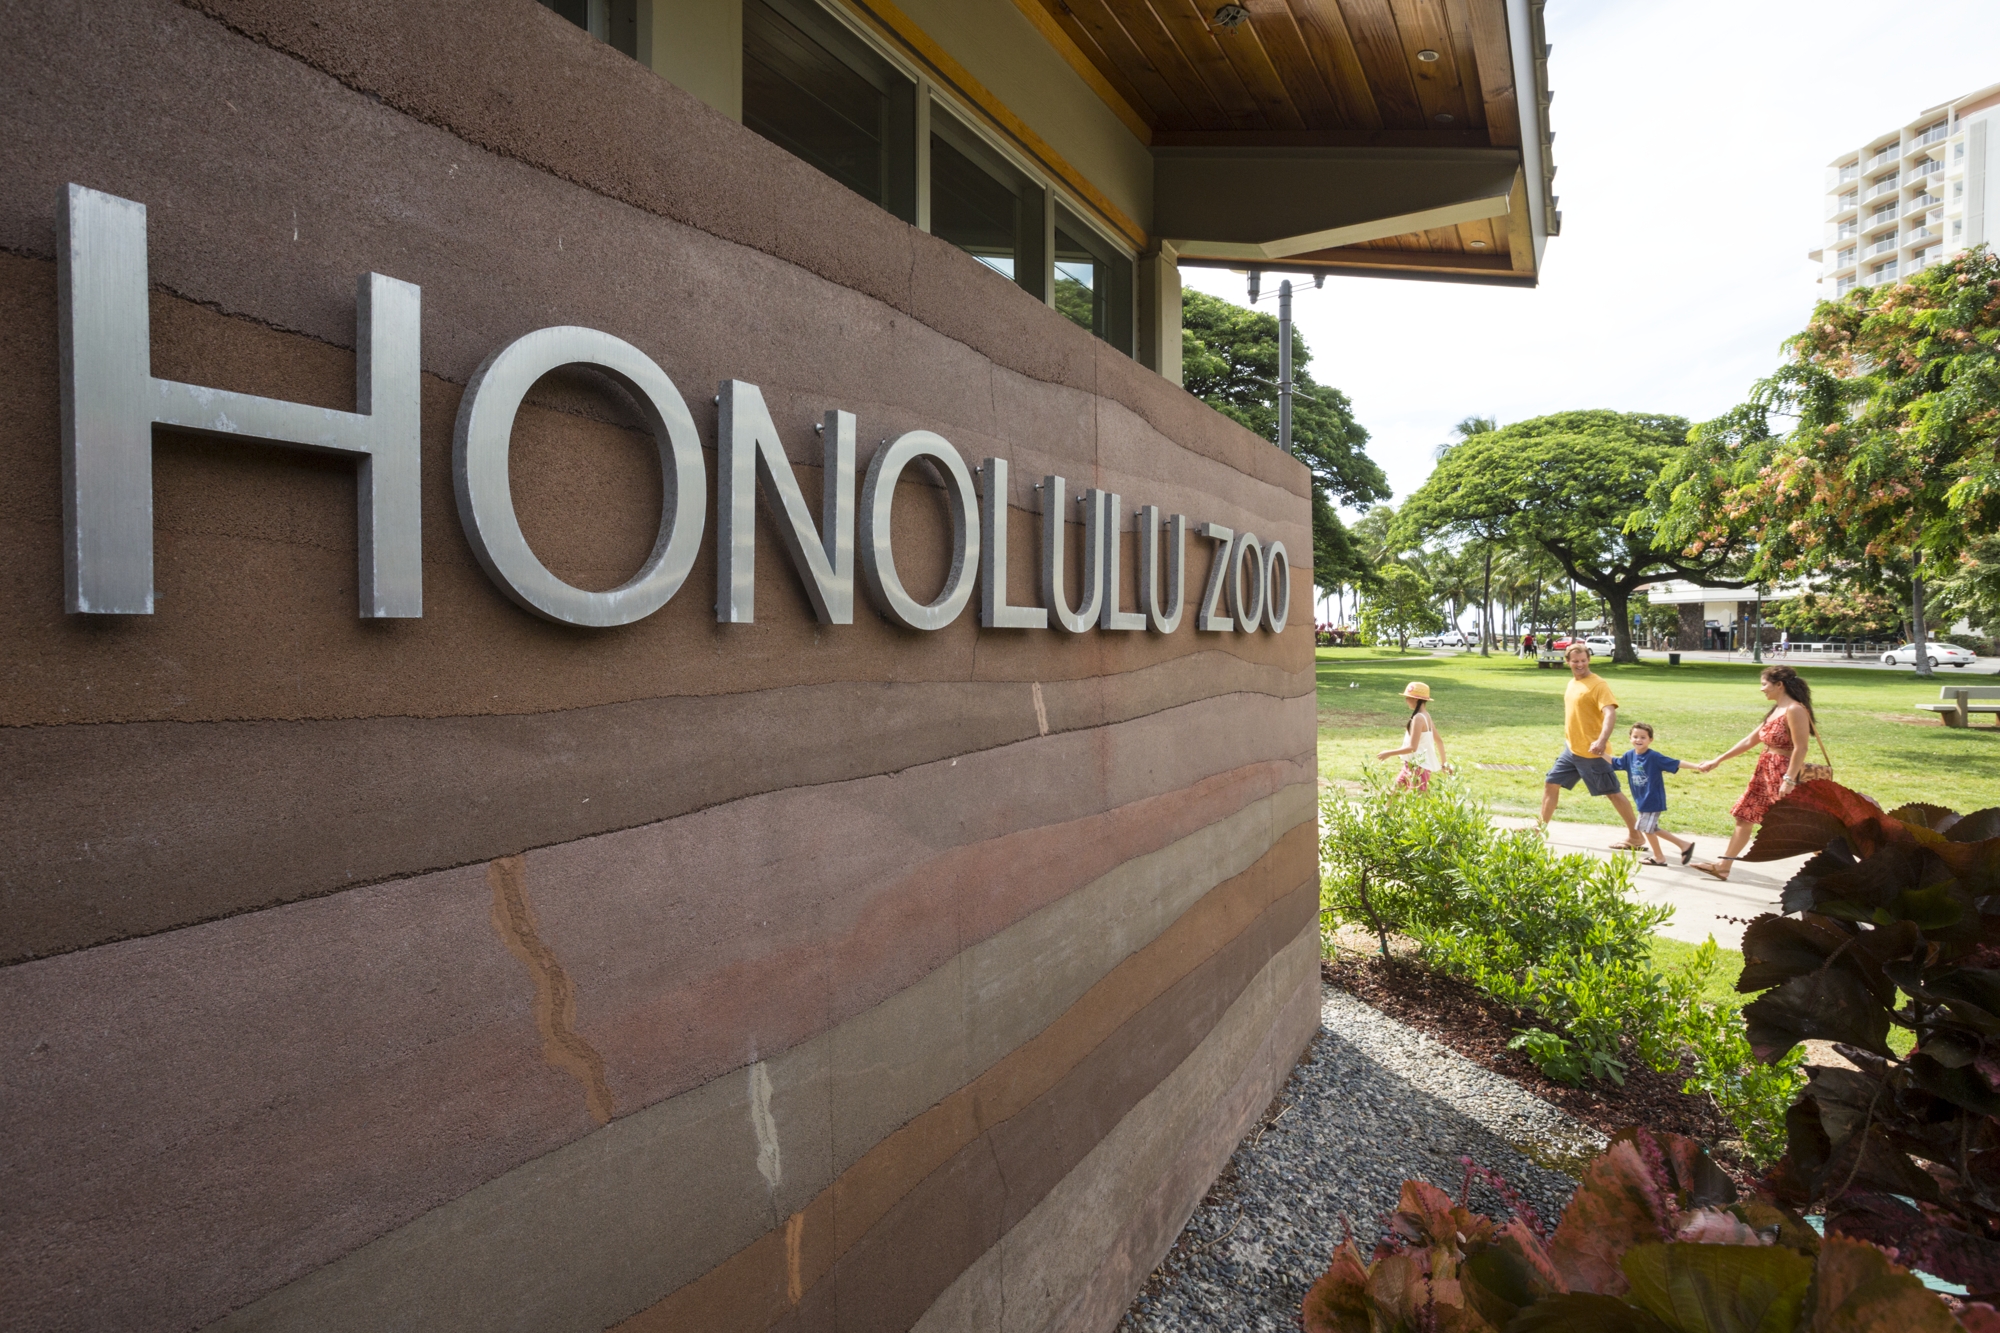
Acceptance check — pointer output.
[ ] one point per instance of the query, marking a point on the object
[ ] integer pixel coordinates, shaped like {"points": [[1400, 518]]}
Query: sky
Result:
{"points": [[1691, 144]]}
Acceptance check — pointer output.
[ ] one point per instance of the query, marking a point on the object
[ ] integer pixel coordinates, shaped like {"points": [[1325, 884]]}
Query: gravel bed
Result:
{"points": [[1372, 1104]]}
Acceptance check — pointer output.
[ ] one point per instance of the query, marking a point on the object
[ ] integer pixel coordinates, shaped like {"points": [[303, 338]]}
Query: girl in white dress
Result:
{"points": [[1422, 748]]}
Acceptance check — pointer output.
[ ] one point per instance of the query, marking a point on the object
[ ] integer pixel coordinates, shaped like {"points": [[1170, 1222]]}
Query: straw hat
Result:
{"points": [[1416, 689]]}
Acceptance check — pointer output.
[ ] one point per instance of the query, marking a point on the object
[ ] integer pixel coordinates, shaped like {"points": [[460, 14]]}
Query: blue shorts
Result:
{"points": [[1599, 778]]}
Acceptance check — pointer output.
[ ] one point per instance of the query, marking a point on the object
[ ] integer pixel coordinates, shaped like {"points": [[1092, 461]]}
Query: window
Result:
{"points": [[1093, 282], [614, 22], [1844, 258], [818, 92], [985, 207]]}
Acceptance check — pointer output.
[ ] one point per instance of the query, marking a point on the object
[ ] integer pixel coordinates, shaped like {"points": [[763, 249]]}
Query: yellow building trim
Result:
{"points": [[1066, 47], [891, 23]]}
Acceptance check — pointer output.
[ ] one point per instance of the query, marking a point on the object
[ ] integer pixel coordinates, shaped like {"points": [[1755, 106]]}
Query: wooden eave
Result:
{"points": [[1319, 74]]}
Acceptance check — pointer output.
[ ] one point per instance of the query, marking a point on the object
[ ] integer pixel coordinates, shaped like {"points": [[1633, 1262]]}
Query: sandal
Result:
{"points": [[1651, 861], [1628, 846], [1714, 870], [1688, 855]]}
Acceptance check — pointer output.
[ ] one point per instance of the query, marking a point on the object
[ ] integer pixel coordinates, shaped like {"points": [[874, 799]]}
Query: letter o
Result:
{"points": [[480, 446], [1247, 608], [878, 560], [1277, 571]]}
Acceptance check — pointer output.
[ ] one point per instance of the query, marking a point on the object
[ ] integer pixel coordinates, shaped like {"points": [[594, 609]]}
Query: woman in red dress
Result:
{"points": [[1783, 734]]}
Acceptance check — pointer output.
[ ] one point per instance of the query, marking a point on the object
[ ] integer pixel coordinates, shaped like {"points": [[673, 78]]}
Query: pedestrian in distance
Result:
{"points": [[1422, 748], [1645, 768], [1528, 644], [1590, 711], [1784, 733]]}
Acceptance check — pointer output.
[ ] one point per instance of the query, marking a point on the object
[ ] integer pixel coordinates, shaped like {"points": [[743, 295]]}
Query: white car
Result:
{"points": [[1940, 654], [1451, 638], [1600, 643]]}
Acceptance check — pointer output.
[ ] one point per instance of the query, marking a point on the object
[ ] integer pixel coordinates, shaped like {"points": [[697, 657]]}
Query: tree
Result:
{"points": [[1575, 484], [1229, 360], [1893, 460], [1401, 605], [1451, 513]]}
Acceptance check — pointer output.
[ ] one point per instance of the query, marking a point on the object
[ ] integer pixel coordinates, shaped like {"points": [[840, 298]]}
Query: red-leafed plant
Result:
{"points": [[1897, 925], [1655, 1240]]}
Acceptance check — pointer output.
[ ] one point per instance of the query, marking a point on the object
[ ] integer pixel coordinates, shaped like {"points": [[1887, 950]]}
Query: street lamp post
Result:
{"points": [[1285, 365]]}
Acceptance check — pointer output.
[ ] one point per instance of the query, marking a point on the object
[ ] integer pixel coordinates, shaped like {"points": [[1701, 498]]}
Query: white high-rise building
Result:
{"points": [[1913, 196]]}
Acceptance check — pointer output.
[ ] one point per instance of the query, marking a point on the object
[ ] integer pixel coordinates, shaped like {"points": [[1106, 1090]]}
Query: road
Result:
{"points": [[1985, 666]]}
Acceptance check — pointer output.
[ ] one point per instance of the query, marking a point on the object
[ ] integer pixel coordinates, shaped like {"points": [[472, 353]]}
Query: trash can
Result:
{"points": [[1673, 659]]}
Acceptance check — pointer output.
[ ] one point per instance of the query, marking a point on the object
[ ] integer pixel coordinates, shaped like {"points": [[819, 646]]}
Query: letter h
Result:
{"points": [[111, 402]]}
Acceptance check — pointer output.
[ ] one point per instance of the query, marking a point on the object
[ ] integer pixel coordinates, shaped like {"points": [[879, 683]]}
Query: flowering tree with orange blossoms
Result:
{"points": [[1891, 467]]}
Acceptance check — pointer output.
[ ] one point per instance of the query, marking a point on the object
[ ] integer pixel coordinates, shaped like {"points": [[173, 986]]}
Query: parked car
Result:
{"points": [[1451, 638], [1940, 654], [1600, 643]]}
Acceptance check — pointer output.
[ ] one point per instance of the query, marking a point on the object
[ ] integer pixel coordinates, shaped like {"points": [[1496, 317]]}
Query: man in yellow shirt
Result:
{"points": [[1590, 711]]}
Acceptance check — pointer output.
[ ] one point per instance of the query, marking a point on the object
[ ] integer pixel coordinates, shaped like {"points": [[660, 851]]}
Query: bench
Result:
{"points": [[1958, 707]]}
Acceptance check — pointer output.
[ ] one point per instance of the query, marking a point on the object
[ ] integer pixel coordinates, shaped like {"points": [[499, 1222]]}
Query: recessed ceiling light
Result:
{"points": [[1443, 118], [1427, 56]]}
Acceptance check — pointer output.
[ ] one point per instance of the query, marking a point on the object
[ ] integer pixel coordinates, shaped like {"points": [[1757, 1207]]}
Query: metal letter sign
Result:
{"points": [[111, 402], [748, 447], [878, 561], [486, 504]]}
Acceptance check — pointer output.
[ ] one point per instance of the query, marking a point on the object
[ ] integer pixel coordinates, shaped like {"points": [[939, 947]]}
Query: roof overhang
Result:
{"points": [[1253, 205]]}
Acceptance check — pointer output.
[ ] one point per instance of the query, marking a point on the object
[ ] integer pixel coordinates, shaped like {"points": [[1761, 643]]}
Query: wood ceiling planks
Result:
{"points": [[1339, 66]]}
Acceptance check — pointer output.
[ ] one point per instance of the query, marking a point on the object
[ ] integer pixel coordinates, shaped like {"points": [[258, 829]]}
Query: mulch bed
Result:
{"points": [[1479, 1028]]}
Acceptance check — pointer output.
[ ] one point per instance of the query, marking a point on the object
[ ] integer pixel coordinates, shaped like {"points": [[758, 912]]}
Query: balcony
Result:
{"points": [[1882, 215], [1923, 201], [1936, 132], [1847, 203], [1884, 244], [1922, 234], [1886, 273], [1844, 285], [1928, 167], [1880, 186], [1845, 230], [1883, 158], [1849, 172]]}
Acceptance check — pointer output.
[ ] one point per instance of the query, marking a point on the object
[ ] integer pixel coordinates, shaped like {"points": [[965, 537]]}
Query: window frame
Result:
{"points": [[969, 122]]}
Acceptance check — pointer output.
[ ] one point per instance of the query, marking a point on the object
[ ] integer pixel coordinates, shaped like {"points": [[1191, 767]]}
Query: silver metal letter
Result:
{"points": [[111, 402], [747, 446], [486, 503], [1168, 620], [1246, 556], [878, 559], [1224, 541], [1277, 605], [1114, 568], [1055, 517], [994, 613]]}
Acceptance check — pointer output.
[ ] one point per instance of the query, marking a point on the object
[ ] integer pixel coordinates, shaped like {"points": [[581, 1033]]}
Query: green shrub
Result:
{"points": [[1386, 858], [1557, 938]]}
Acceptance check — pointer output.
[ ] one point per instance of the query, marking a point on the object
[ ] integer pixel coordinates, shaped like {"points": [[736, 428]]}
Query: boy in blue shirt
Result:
{"points": [[1645, 768]]}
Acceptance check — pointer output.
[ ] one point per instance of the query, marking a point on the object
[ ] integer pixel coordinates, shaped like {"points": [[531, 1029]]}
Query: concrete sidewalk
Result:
{"points": [[1700, 903]]}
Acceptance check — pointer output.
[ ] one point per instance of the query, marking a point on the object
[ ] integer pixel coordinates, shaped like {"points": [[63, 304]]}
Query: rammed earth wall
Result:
{"points": [[480, 972]]}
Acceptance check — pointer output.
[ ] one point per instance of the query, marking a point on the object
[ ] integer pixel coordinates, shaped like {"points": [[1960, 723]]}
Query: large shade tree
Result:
{"points": [[1574, 484], [1889, 472], [1229, 359]]}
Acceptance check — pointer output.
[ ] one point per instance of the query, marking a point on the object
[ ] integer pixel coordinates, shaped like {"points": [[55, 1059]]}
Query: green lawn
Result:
{"points": [[1501, 720]]}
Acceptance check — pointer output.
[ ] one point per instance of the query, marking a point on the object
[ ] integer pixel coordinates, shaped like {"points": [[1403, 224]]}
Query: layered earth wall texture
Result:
{"points": [[479, 972]]}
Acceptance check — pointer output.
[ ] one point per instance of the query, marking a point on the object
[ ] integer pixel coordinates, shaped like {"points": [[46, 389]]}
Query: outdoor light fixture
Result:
{"points": [[1478, 245], [1443, 118], [1427, 56], [1230, 17]]}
